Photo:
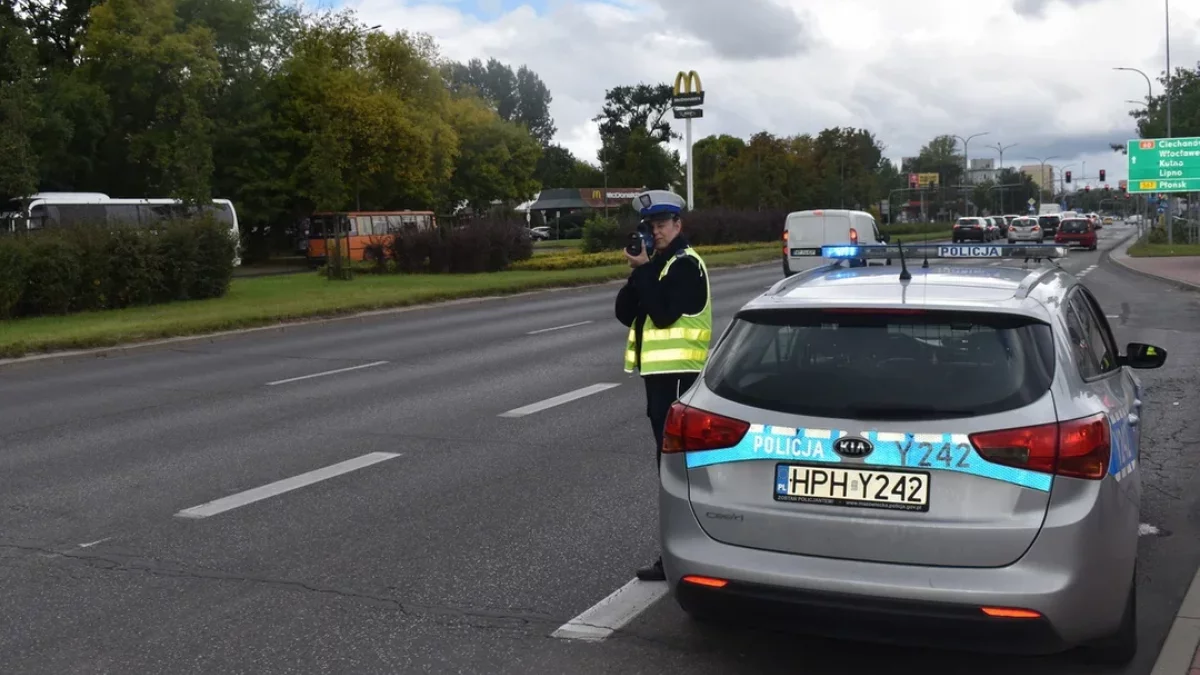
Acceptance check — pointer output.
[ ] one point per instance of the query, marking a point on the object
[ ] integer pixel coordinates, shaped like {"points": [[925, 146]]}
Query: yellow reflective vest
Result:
{"points": [[681, 347]]}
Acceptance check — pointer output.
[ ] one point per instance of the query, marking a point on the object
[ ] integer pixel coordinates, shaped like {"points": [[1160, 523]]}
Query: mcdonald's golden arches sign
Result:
{"points": [[688, 90]]}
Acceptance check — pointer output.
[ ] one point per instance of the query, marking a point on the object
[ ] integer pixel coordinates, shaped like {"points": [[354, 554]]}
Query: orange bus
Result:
{"points": [[359, 229]]}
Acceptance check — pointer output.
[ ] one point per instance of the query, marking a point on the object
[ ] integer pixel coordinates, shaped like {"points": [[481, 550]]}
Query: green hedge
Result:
{"points": [[94, 268], [581, 260], [477, 246]]}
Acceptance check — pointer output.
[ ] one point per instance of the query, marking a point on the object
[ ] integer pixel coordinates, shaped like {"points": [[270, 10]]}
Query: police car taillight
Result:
{"points": [[1077, 448], [688, 429]]}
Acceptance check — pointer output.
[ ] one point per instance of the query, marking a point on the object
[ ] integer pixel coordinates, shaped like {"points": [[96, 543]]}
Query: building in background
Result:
{"points": [[1043, 176], [981, 171]]}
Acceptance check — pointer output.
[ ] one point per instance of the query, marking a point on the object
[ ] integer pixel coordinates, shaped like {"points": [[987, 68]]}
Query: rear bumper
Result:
{"points": [[1077, 580], [1018, 235], [899, 622], [970, 235], [1076, 241]]}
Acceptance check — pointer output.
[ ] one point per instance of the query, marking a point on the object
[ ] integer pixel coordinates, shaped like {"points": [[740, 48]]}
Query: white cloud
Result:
{"points": [[1033, 72]]}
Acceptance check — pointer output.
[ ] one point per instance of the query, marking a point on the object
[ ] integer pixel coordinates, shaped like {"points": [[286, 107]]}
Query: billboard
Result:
{"points": [[928, 180]]}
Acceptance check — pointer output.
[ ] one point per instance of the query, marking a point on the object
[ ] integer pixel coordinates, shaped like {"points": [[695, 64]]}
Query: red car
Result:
{"points": [[1078, 232]]}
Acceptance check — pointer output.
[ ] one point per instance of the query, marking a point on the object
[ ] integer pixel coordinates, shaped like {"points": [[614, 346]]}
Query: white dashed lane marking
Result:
{"points": [[560, 399], [323, 374], [547, 330], [286, 485]]}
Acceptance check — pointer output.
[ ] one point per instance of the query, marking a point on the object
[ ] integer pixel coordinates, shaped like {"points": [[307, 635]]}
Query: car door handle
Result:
{"points": [[1134, 419]]}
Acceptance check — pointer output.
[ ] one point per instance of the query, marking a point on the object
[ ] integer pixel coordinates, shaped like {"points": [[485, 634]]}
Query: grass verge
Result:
{"points": [[270, 300], [933, 237], [1143, 249]]}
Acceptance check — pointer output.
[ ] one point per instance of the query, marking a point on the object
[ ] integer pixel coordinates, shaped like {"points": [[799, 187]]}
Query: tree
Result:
{"points": [[496, 158], [160, 82], [633, 130], [519, 97], [713, 155], [558, 168], [642, 107], [19, 109], [1185, 107]]}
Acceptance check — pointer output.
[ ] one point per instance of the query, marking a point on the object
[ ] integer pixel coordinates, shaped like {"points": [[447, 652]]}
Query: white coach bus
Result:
{"points": [[69, 209]]}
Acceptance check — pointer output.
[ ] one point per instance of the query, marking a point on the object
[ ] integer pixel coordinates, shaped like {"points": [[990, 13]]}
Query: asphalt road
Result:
{"points": [[462, 539]]}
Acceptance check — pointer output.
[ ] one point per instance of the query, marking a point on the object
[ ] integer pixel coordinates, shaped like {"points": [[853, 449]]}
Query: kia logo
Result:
{"points": [[853, 447]]}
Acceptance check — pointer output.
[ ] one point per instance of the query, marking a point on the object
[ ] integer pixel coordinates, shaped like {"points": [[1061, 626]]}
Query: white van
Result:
{"points": [[805, 232]]}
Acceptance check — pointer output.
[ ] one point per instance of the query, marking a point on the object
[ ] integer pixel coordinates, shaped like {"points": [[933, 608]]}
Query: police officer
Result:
{"points": [[667, 305]]}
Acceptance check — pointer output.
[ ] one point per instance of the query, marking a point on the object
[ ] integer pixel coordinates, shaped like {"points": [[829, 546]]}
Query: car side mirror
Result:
{"points": [[885, 238], [1143, 356]]}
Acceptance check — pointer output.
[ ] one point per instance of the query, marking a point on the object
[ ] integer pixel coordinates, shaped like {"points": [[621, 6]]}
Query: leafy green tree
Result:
{"points": [[713, 155], [20, 108], [1185, 107], [520, 97], [496, 159], [633, 133], [160, 82], [558, 168]]}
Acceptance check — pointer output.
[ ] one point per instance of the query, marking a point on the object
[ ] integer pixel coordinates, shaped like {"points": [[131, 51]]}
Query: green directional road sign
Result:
{"points": [[1164, 165]]}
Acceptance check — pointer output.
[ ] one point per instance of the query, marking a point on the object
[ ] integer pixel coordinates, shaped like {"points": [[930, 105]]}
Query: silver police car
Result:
{"points": [[945, 460]]}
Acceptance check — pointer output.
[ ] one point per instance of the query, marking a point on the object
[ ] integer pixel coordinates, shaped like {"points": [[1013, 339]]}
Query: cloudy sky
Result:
{"points": [[1037, 73]]}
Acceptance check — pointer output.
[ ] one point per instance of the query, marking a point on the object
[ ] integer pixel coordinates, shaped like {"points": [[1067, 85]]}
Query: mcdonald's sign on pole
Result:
{"points": [[688, 93]]}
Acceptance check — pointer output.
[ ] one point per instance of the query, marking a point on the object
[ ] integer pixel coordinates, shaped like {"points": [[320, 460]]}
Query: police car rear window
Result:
{"points": [[883, 366]]}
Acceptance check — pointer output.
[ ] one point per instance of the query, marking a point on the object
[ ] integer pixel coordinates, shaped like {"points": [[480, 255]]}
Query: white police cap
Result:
{"points": [[654, 202]]}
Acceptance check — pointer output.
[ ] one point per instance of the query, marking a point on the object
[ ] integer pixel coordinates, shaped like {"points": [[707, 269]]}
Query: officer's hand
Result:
{"points": [[636, 261]]}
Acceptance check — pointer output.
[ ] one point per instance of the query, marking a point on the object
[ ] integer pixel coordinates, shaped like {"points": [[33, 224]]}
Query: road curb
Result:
{"points": [[1179, 649], [291, 324], [1124, 246]]}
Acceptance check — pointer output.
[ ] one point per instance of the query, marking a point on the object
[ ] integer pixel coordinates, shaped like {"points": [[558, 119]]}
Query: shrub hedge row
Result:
{"points": [[580, 260], [478, 246], [104, 267], [705, 227]]}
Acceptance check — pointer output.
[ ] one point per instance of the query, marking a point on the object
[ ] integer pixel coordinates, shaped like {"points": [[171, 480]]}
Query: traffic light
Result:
{"points": [[1087, 188], [1068, 177], [1101, 175]]}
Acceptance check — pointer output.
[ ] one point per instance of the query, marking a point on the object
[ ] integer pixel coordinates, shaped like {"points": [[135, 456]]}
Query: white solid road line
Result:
{"points": [[613, 612], [328, 372], [286, 485], [547, 330], [560, 399]]}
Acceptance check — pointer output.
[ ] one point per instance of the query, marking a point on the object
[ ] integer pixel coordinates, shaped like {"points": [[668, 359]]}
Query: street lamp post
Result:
{"points": [[966, 153], [1042, 176], [1001, 148]]}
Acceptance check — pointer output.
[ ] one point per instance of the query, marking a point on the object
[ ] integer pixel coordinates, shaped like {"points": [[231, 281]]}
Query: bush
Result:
{"points": [[53, 276], [15, 260], [579, 260], [101, 267], [477, 246], [602, 234]]}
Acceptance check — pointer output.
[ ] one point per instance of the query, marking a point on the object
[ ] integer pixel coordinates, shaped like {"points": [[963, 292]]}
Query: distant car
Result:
{"points": [[947, 460], [1049, 223], [1077, 232], [1025, 229], [970, 229], [1108, 220], [540, 233]]}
